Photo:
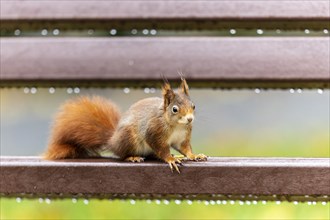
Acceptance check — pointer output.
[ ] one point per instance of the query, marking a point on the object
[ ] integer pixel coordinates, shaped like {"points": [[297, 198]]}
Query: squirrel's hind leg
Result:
{"points": [[67, 151], [134, 159], [60, 151]]}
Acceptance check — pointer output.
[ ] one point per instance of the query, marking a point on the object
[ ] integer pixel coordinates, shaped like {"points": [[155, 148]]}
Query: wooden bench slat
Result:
{"points": [[161, 9], [234, 176], [246, 59]]}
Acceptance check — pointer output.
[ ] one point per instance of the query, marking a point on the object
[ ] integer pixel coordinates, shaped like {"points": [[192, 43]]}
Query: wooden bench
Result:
{"points": [[277, 179], [226, 44]]}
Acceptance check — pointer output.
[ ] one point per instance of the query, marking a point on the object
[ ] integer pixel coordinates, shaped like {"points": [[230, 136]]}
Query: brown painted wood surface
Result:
{"points": [[247, 59], [256, 176], [161, 9]]}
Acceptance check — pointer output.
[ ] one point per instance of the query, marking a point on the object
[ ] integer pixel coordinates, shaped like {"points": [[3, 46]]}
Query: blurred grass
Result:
{"points": [[104, 209], [241, 144]]}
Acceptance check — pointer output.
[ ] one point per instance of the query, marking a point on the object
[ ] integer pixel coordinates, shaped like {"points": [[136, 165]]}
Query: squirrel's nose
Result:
{"points": [[189, 119]]}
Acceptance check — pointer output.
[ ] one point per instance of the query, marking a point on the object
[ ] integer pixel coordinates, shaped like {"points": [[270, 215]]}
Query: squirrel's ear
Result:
{"points": [[184, 88], [168, 94]]}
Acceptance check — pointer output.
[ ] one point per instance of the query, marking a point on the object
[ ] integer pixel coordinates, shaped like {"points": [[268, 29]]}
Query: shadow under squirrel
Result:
{"points": [[85, 126]]}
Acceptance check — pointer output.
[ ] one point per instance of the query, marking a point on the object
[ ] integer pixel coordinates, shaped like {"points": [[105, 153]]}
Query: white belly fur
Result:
{"points": [[143, 149], [178, 136]]}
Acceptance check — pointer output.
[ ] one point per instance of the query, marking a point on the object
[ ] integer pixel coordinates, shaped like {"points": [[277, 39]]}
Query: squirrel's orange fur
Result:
{"points": [[82, 127], [85, 126]]}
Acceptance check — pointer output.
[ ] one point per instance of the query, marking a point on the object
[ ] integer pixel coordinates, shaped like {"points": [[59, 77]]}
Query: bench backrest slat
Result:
{"points": [[300, 61], [160, 9]]}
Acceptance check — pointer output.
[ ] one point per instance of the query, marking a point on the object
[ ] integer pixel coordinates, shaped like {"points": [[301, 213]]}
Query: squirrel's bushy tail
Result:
{"points": [[82, 127]]}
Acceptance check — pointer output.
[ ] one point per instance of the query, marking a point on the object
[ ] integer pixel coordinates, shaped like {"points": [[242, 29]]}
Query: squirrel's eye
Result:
{"points": [[175, 109], [193, 106]]}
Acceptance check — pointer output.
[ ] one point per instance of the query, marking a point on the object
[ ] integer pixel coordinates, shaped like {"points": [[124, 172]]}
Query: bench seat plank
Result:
{"points": [[234, 176]]}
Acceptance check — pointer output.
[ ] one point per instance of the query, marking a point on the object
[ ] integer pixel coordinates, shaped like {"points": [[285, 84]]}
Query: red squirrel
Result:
{"points": [[86, 126]]}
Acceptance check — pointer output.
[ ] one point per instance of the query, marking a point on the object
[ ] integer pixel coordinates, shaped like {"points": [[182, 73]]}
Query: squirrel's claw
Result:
{"points": [[198, 157], [173, 164], [179, 159], [201, 157]]}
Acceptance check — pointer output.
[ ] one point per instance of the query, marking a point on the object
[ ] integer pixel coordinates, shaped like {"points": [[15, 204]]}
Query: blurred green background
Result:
{"points": [[272, 123], [96, 209]]}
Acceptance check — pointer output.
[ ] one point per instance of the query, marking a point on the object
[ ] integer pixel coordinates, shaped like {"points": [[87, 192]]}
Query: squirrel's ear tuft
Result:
{"points": [[184, 88], [168, 94]]}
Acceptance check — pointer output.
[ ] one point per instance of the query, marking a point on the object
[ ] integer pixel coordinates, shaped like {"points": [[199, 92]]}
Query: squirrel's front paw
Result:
{"points": [[172, 162], [198, 157]]}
